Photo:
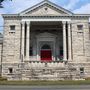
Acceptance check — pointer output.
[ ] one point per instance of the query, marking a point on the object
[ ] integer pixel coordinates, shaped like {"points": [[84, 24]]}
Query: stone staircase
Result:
{"points": [[48, 71], [45, 71]]}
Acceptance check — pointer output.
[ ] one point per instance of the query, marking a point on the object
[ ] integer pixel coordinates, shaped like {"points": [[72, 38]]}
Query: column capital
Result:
{"points": [[69, 22], [22, 22], [28, 22], [63, 22], [69, 26]]}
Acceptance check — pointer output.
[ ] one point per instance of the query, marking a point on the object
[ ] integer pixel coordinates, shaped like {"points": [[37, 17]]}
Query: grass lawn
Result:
{"points": [[86, 82]]}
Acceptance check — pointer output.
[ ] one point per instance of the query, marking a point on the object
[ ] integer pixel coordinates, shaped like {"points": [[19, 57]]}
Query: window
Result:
{"points": [[82, 70], [12, 27], [10, 70], [80, 27]]}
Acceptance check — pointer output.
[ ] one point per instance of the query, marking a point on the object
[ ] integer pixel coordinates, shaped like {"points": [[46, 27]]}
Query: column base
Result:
{"points": [[65, 60], [27, 59], [70, 60]]}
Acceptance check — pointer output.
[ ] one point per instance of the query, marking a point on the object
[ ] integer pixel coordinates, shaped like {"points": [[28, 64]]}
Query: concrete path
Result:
{"points": [[83, 87]]}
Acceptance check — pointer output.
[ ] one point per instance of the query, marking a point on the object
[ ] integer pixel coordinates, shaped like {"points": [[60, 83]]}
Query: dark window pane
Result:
{"points": [[81, 70], [12, 27], [80, 27], [10, 70]]}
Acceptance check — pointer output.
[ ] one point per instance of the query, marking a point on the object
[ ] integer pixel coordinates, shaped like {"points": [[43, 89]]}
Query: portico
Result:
{"points": [[46, 33]]}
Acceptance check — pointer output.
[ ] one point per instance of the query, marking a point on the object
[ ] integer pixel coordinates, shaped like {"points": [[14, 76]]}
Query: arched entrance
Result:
{"points": [[46, 53]]}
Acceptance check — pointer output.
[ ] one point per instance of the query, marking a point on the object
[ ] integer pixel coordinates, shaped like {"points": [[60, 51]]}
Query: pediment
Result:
{"points": [[46, 8]]}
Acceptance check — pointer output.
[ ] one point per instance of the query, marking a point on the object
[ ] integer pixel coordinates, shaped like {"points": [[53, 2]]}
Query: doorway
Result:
{"points": [[46, 53]]}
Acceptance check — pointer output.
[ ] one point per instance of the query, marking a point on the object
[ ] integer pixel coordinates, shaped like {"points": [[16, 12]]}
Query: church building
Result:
{"points": [[45, 42]]}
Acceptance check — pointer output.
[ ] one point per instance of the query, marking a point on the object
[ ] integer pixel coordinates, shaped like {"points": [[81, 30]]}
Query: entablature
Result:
{"points": [[52, 16]]}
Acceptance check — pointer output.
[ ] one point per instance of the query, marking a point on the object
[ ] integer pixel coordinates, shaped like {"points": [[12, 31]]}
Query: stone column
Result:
{"points": [[27, 40], [23, 43], [54, 52], [37, 51], [64, 42], [69, 42]]}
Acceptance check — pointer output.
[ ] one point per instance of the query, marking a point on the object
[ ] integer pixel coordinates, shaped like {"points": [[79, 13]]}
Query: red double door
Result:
{"points": [[46, 55]]}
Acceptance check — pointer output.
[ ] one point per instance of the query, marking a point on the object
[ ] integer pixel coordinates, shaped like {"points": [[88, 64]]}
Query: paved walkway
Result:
{"points": [[83, 87]]}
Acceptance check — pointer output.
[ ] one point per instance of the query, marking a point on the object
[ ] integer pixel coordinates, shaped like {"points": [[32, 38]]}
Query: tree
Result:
{"points": [[1, 3]]}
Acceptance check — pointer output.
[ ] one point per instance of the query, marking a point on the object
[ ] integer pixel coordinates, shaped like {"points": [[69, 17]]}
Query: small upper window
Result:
{"points": [[12, 27], [82, 70], [80, 27], [10, 70]]}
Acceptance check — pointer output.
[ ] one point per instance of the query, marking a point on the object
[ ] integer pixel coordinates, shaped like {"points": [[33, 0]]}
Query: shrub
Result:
{"points": [[88, 78], [3, 79]]}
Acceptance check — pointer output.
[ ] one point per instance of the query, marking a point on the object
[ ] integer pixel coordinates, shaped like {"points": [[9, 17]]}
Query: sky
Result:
{"points": [[16, 6]]}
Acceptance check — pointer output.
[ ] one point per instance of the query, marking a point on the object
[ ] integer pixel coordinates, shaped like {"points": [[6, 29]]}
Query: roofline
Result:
{"points": [[60, 7], [43, 2], [81, 15], [32, 7], [10, 15]]}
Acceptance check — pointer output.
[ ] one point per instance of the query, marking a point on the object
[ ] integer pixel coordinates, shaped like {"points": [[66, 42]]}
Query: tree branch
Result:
{"points": [[1, 3]]}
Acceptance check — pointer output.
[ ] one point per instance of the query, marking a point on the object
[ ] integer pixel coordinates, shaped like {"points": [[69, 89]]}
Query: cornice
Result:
{"points": [[87, 15], [10, 15], [46, 16]]}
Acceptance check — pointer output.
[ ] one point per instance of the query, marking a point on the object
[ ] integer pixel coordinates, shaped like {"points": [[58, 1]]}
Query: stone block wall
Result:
{"points": [[0, 53], [11, 46], [80, 41], [11, 42], [14, 74], [0, 56]]}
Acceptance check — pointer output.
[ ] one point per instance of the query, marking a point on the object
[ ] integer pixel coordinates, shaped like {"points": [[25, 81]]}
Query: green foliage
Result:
{"points": [[3, 0], [88, 78], [41, 83], [1, 3], [3, 79]]}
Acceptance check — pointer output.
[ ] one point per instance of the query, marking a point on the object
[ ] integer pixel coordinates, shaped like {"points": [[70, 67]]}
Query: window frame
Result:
{"points": [[12, 27], [80, 27], [81, 70], [10, 70]]}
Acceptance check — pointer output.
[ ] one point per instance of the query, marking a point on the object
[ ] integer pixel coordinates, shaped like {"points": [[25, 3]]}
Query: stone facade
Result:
{"points": [[45, 28], [1, 47]]}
